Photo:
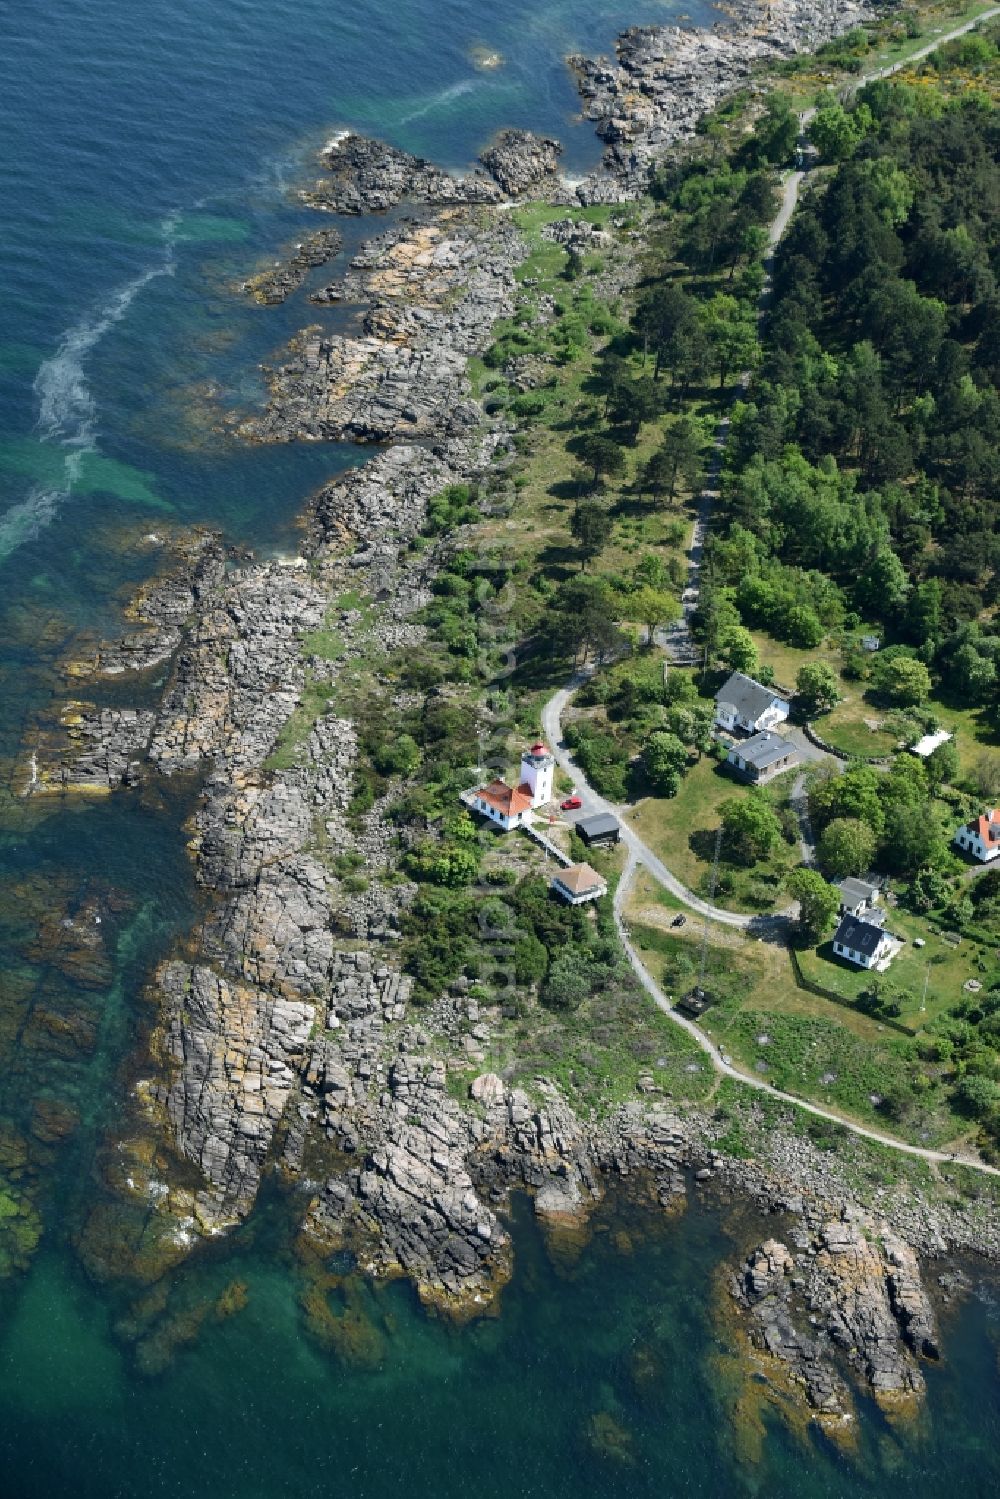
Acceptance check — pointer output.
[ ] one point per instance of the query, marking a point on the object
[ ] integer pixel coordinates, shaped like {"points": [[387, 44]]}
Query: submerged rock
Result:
{"points": [[276, 283]]}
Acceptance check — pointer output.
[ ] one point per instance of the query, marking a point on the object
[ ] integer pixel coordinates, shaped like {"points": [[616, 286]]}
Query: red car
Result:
{"points": [[571, 804]]}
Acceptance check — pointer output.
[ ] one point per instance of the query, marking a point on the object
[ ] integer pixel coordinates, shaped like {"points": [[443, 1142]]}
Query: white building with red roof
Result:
{"points": [[981, 836], [511, 807]]}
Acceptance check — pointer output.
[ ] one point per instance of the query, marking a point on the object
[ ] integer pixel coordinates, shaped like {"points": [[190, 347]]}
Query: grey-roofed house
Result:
{"points": [[762, 757], [742, 703], [863, 943], [602, 828], [857, 897]]}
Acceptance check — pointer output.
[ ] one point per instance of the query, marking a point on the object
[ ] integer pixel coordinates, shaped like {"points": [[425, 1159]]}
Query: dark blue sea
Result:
{"points": [[149, 153]]}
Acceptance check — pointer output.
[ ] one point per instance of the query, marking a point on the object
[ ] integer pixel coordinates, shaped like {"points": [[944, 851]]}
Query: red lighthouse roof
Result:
{"points": [[539, 749]]}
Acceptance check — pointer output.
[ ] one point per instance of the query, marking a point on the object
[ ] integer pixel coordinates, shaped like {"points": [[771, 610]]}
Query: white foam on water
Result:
{"points": [[445, 97], [278, 175], [67, 413]]}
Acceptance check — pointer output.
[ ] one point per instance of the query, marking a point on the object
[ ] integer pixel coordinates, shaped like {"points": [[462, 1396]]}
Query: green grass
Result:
{"points": [[848, 728], [845, 726], [295, 732], [597, 1054], [944, 967], [865, 1166], [681, 831], [326, 642], [815, 1049]]}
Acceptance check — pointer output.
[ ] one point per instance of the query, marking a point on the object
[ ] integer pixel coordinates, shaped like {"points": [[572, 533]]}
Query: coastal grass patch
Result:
{"points": [[327, 642], [876, 1175], [858, 728], [313, 703], [880, 1083], [616, 1044]]}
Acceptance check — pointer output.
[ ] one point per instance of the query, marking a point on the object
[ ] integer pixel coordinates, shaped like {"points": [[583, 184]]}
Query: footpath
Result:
{"points": [[678, 643]]}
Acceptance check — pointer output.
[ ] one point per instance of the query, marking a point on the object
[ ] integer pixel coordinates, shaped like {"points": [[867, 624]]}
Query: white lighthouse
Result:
{"points": [[538, 770]]}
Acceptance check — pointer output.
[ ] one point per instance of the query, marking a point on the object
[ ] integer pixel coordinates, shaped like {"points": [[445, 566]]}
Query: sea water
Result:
{"points": [[150, 152]]}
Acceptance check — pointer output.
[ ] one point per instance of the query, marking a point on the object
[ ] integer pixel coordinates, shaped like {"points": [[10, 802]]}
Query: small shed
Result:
{"points": [[579, 884], [599, 831]]}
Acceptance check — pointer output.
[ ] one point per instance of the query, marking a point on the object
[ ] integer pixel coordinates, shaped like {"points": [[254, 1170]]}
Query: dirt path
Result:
{"points": [[679, 644]]}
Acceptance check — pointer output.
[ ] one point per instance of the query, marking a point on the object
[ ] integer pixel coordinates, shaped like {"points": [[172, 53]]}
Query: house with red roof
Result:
{"points": [[981, 836], [510, 807]]}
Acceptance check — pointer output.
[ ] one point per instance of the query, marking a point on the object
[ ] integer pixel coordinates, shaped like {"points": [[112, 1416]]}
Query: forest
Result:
{"points": [[864, 474]]}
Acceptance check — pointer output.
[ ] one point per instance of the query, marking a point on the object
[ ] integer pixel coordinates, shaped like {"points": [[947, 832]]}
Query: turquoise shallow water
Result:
{"points": [[148, 150]]}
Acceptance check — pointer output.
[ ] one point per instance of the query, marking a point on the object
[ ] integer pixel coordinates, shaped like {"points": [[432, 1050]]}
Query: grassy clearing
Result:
{"points": [[841, 1058], [855, 727], [599, 1054], [798, 1042], [848, 726], [313, 704], [943, 966], [682, 832]]}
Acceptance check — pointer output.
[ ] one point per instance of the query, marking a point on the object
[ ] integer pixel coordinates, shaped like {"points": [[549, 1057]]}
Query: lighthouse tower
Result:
{"points": [[538, 769]]}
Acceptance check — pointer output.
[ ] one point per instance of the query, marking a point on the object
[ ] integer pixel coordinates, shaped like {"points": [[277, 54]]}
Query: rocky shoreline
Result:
{"points": [[282, 1036], [666, 78]]}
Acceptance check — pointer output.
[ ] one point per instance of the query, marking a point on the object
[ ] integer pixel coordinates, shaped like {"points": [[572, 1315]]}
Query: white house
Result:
{"points": [[578, 884], [859, 898], [508, 806], [511, 807], [981, 836], [863, 943], [742, 703], [762, 757]]}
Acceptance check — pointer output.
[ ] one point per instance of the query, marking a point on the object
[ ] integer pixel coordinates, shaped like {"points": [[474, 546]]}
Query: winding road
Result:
{"points": [[638, 851], [639, 855], [678, 644]]}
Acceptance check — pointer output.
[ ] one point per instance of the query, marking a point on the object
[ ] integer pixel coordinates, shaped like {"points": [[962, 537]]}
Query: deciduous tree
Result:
{"points": [[816, 689], [818, 901], [846, 846], [750, 827]]}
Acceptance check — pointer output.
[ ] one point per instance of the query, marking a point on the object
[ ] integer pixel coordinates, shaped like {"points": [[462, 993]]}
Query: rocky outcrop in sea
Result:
{"points": [[275, 284], [368, 176], [848, 1288]]}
